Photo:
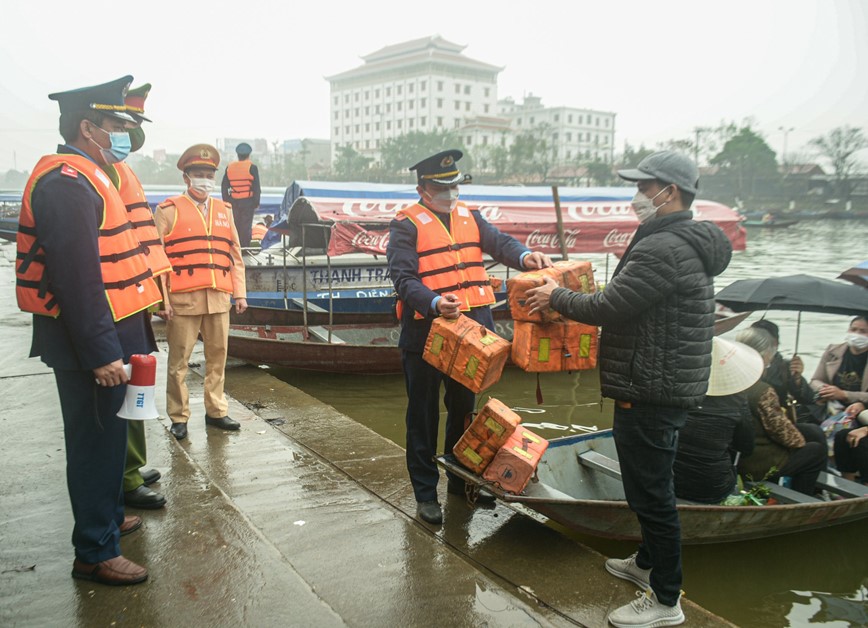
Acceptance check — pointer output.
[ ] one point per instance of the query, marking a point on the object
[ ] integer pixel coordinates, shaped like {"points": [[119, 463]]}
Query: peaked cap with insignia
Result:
{"points": [[201, 155], [441, 169], [107, 98], [135, 102]]}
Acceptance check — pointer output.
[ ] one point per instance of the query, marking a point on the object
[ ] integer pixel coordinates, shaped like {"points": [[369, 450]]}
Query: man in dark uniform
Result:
{"points": [[240, 188], [438, 180], [82, 342]]}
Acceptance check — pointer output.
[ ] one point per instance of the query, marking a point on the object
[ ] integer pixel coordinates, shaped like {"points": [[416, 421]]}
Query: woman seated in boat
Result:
{"points": [[721, 429], [841, 378], [786, 377], [851, 445], [782, 449]]}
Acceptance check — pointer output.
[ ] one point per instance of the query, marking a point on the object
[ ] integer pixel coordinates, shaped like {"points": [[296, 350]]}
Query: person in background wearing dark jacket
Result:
{"points": [[435, 261], [240, 188], [785, 376], [657, 318], [719, 431]]}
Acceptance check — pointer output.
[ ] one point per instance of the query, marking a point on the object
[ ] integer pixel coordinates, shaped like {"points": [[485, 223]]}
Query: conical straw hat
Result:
{"points": [[734, 367]]}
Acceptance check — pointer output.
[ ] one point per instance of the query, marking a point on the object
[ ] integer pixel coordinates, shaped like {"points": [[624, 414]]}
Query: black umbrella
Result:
{"points": [[858, 274], [799, 293]]}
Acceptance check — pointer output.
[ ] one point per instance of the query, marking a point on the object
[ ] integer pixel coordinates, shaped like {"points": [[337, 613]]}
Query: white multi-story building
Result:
{"points": [[421, 85], [576, 134]]}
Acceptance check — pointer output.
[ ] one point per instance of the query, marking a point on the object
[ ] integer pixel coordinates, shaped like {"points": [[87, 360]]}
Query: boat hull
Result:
{"points": [[590, 502]]}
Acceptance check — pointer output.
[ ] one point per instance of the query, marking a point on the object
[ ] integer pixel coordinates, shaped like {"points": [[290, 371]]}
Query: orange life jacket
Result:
{"points": [[258, 232], [200, 252], [240, 179], [129, 283], [451, 261], [142, 219]]}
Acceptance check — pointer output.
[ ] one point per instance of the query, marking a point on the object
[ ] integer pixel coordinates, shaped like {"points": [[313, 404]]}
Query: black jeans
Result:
{"points": [[646, 438]]}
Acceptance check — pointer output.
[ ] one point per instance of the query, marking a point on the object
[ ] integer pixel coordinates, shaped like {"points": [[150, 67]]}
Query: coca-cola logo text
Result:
{"points": [[581, 211], [371, 240], [491, 213], [537, 239], [616, 239], [374, 208]]}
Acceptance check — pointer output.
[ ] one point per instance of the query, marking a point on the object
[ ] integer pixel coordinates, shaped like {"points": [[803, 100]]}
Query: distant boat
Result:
{"points": [[769, 224], [579, 486]]}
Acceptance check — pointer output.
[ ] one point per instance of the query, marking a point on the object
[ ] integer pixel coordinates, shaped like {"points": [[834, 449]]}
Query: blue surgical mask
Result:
{"points": [[120, 146]]}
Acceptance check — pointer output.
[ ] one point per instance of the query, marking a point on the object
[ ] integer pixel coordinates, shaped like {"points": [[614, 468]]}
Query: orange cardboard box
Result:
{"points": [[575, 275], [490, 429], [550, 347], [466, 351], [514, 465]]}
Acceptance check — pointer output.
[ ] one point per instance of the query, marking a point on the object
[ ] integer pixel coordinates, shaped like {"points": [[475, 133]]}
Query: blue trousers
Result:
{"points": [[646, 438], [423, 420], [96, 448]]}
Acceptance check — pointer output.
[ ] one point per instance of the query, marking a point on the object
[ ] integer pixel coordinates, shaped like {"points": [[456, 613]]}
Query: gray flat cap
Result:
{"points": [[667, 166]]}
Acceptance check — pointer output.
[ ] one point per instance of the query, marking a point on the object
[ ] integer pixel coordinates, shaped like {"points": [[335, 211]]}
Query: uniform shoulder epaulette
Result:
{"points": [[400, 216], [68, 171], [167, 203]]}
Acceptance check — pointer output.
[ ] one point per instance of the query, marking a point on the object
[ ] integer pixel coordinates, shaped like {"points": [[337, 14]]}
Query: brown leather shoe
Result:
{"points": [[130, 524], [117, 571]]}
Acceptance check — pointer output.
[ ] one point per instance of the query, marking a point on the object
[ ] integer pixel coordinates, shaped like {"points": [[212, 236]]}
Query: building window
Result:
{"points": [[469, 140], [457, 106], [569, 137], [554, 137], [518, 122], [440, 103], [377, 109], [531, 121], [422, 85], [376, 143], [377, 93], [422, 121], [337, 115], [376, 126], [347, 130], [487, 92], [410, 122], [467, 106], [337, 130], [597, 121], [336, 100], [357, 128], [439, 121], [485, 108], [557, 117], [439, 86], [388, 125], [367, 111], [367, 127], [346, 98], [570, 119], [485, 140], [580, 119], [467, 89], [569, 154], [410, 88], [410, 104], [357, 112], [388, 107], [398, 90], [367, 95], [356, 96], [388, 91], [399, 105], [399, 124], [347, 113], [457, 123], [423, 102], [367, 143], [457, 88]]}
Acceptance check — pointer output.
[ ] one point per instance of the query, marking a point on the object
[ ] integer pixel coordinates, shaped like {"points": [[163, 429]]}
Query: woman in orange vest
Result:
{"points": [[435, 261], [207, 270]]}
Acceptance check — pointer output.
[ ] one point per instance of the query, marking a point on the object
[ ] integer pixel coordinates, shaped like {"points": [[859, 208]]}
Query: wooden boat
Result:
{"points": [[360, 349], [770, 224], [580, 487]]}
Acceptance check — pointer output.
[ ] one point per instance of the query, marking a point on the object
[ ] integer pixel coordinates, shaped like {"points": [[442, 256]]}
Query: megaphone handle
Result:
{"points": [[128, 369]]}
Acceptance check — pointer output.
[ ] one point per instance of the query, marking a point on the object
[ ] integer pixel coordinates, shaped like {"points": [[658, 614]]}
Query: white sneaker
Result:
{"points": [[627, 569], [646, 612]]}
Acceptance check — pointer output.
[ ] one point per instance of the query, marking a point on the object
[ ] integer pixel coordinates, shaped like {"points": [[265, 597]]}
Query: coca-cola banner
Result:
{"points": [[589, 227]]}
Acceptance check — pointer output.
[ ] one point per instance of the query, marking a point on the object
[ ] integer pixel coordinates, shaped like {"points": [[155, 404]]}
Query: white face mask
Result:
{"points": [[856, 341], [202, 185], [644, 206], [444, 201]]}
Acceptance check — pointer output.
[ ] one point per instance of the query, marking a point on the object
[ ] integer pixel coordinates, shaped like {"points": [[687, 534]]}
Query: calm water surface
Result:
{"points": [[814, 578]]}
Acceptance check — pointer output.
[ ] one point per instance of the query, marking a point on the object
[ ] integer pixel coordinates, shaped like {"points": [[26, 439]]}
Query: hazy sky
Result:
{"points": [[257, 68]]}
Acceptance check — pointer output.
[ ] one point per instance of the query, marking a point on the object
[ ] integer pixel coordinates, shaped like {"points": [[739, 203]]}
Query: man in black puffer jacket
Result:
{"points": [[657, 318]]}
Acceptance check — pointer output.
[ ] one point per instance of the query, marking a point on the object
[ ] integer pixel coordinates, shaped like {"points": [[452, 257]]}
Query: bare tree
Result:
{"points": [[840, 146]]}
